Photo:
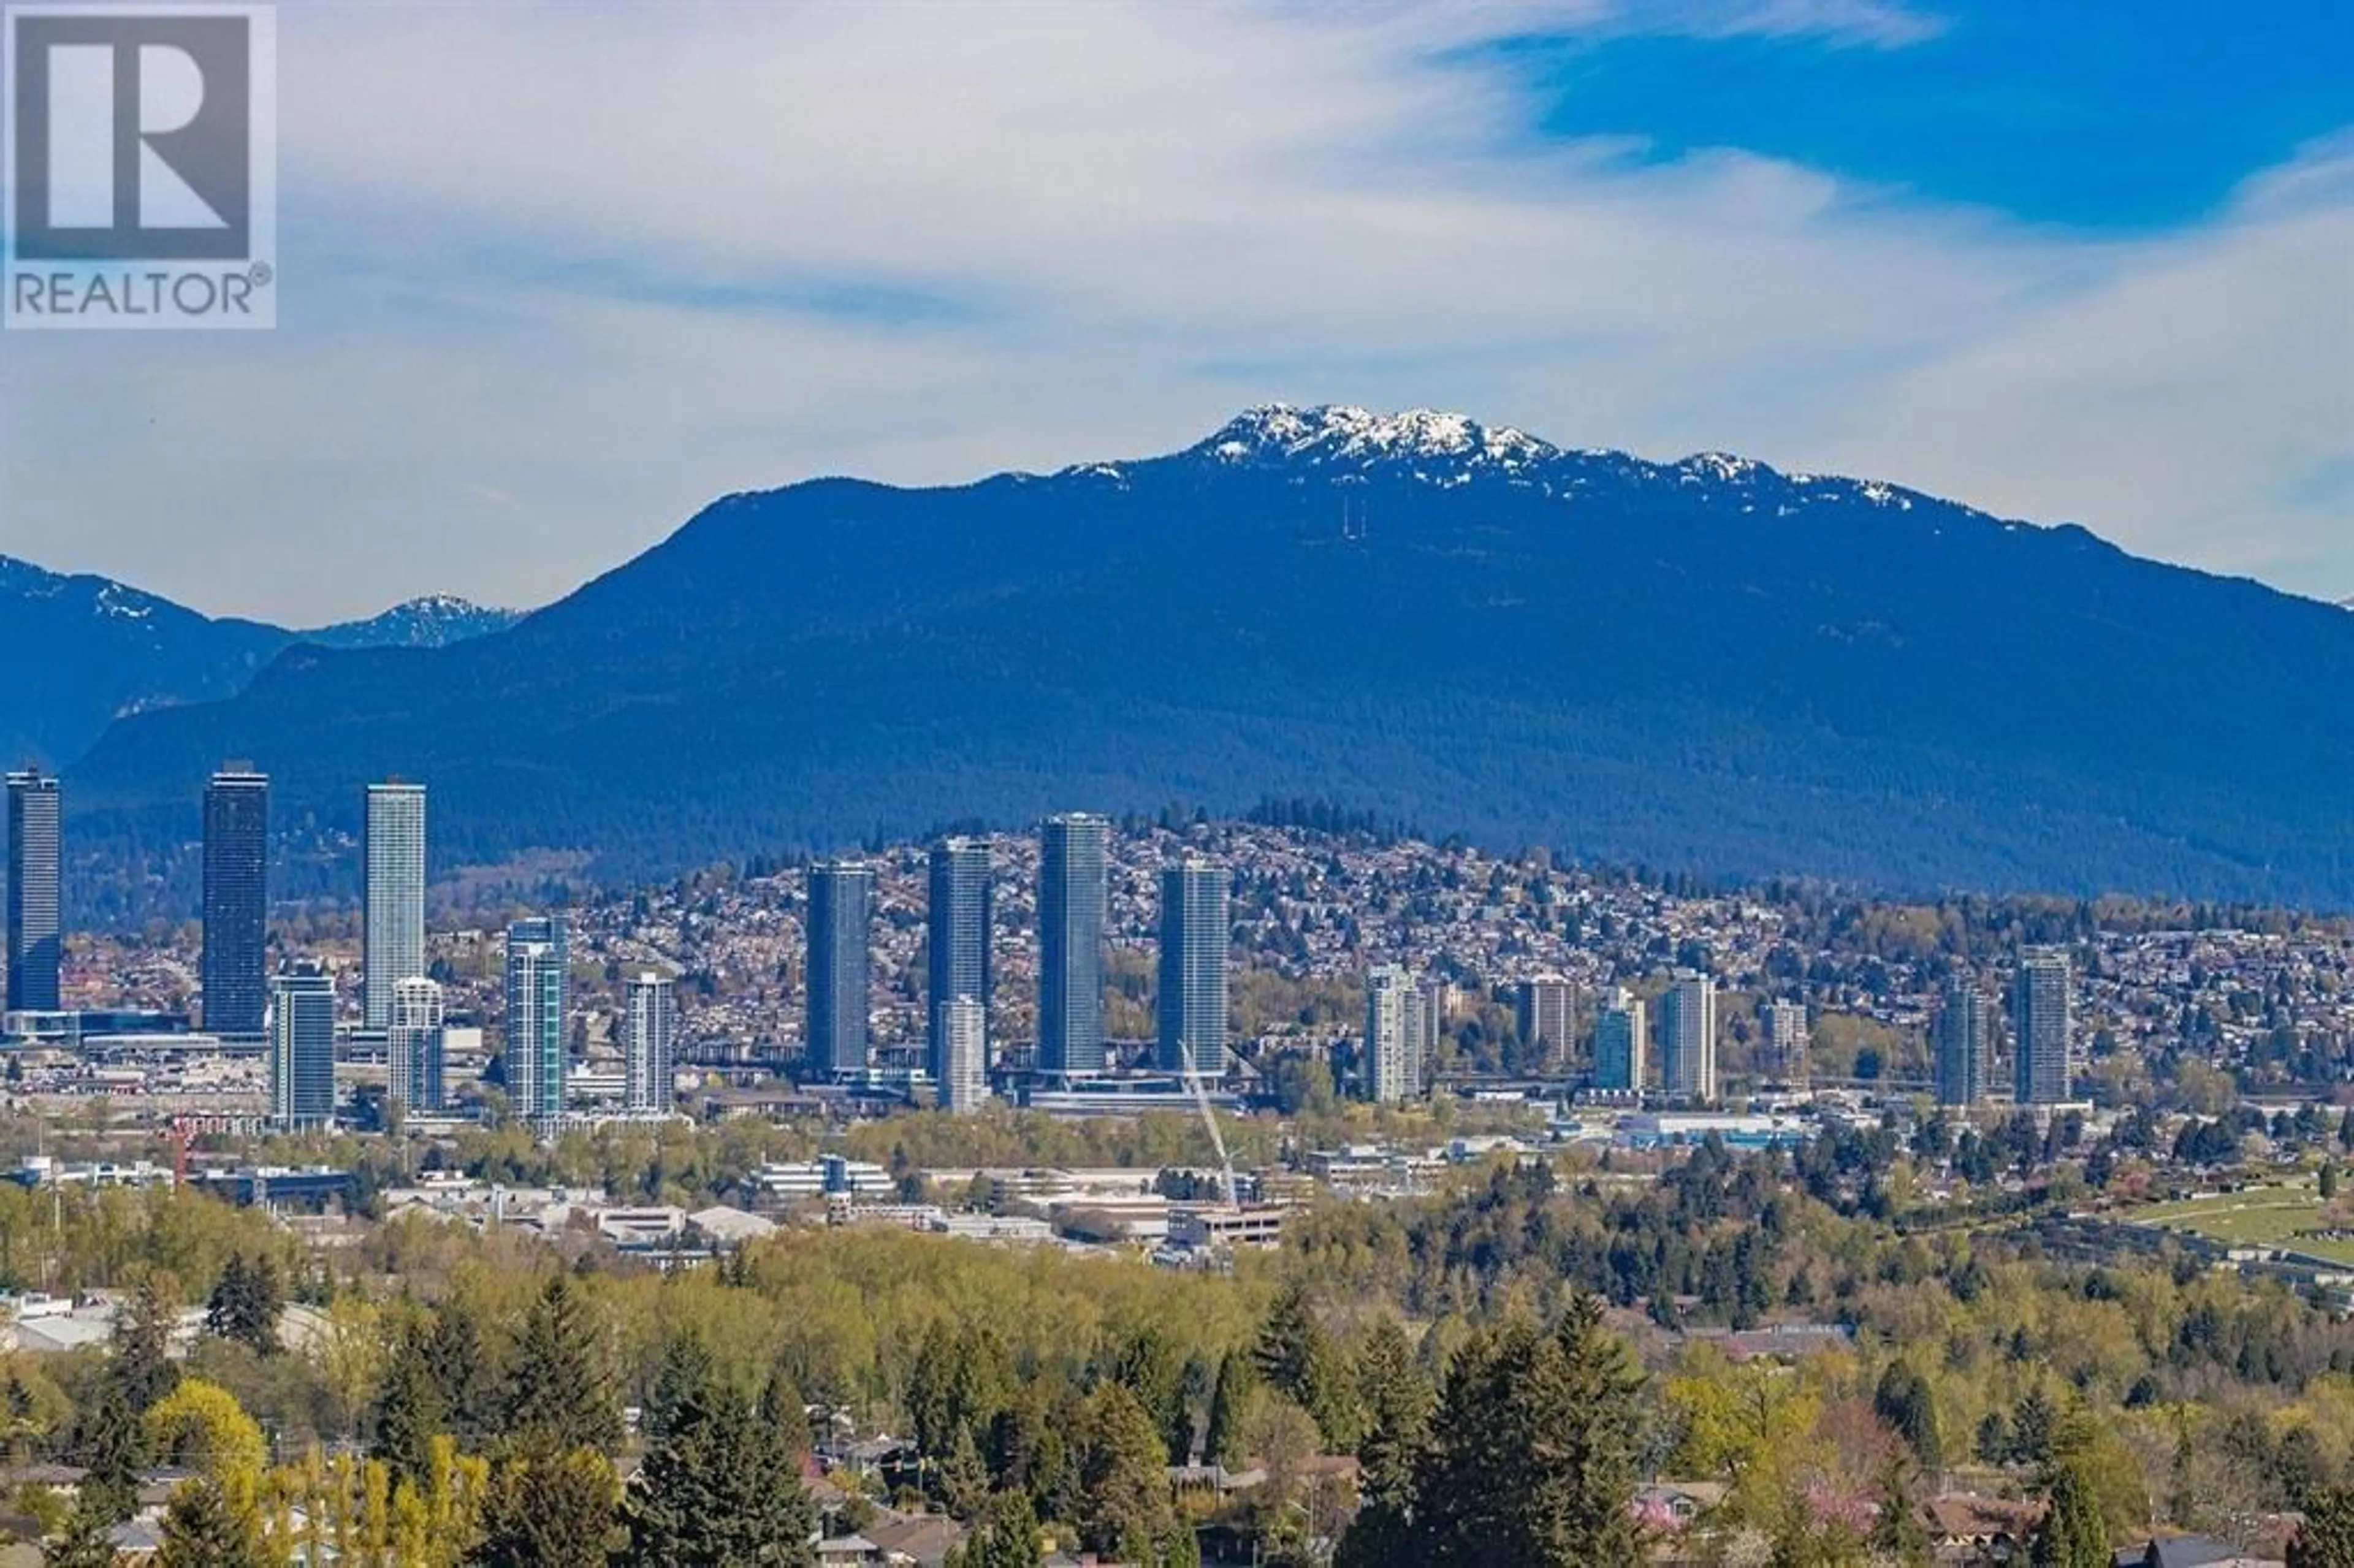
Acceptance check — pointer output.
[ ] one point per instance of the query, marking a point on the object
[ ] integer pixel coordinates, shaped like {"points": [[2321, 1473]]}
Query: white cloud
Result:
{"points": [[555, 275]]}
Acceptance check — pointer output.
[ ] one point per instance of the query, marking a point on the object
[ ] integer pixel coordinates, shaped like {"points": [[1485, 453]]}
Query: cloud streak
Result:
{"points": [[554, 276]]}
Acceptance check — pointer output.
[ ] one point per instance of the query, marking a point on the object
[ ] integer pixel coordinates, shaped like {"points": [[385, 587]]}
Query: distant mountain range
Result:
{"points": [[95, 649], [1705, 663], [435, 621]]}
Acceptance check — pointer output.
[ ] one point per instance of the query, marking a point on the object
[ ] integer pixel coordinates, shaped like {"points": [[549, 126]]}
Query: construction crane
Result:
{"points": [[1210, 1120]]}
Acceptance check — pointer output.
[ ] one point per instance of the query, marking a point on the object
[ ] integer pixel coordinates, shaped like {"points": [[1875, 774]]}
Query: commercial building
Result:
{"points": [[35, 851], [963, 1078], [393, 919], [1688, 1038], [2042, 1022], [1393, 1046], [415, 1048], [1195, 930], [1785, 1041], [538, 987], [960, 920], [1621, 1038], [648, 1043], [235, 970], [302, 1019], [1964, 1044], [841, 903], [1073, 849], [1548, 1018]]}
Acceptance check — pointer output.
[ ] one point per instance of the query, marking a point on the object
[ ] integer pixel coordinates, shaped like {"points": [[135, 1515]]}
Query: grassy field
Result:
{"points": [[2261, 1216]]}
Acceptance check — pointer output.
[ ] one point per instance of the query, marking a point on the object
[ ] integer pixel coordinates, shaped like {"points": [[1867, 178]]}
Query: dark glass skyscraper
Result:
{"points": [[237, 900], [1194, 932], [959, 963], [35, 846], [841, 898], [1071, 896]]}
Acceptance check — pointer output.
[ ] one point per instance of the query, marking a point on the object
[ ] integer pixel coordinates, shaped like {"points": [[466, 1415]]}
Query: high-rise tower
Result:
{"points": [[964, 1075], [416, 1049], [538, 985], [2042, 1020], [1964, 1044], [648, 1043], [1073, 850], [1548, 1005], [393, 935], [36, 849], [1392, 1036], [1688, 1038], [302, 1050], [1621, 1041], [236, 900], [841, 898], [958, 927], [1195, 930]]}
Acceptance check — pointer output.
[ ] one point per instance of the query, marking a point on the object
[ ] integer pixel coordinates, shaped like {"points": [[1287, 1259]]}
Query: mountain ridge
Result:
{"points": [[1708, 664], [108, 649]]}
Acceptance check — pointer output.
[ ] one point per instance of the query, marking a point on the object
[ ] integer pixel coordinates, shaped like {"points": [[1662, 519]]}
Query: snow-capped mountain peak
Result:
{"points": [[1344, 434], [428, 621]]}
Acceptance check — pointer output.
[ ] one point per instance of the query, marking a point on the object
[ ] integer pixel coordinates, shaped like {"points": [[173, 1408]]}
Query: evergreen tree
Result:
{"points": [[719, 1488], [220, 1312], [1584, 1398], [1301, 1362], [559, 1397], [686, 1374], [1531, 1456], [111, 1449], [552, 1510], [206, 1528], [1230, 1404], [1397, 1399], [459, 1354], [411, 1409], [2072, 1534], [1898, 1536], [247, 1303], [2325, 1539], [142, 1367], [1905, 1401], [84, 1539], [1288, 1341], [1006, 1537], [1125, 1508], [964, 1478], [1476, 1459]]}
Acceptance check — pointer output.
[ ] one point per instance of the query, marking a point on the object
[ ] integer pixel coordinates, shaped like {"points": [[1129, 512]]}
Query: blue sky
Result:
{"points": [[554, 275], [2130, 115]]}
